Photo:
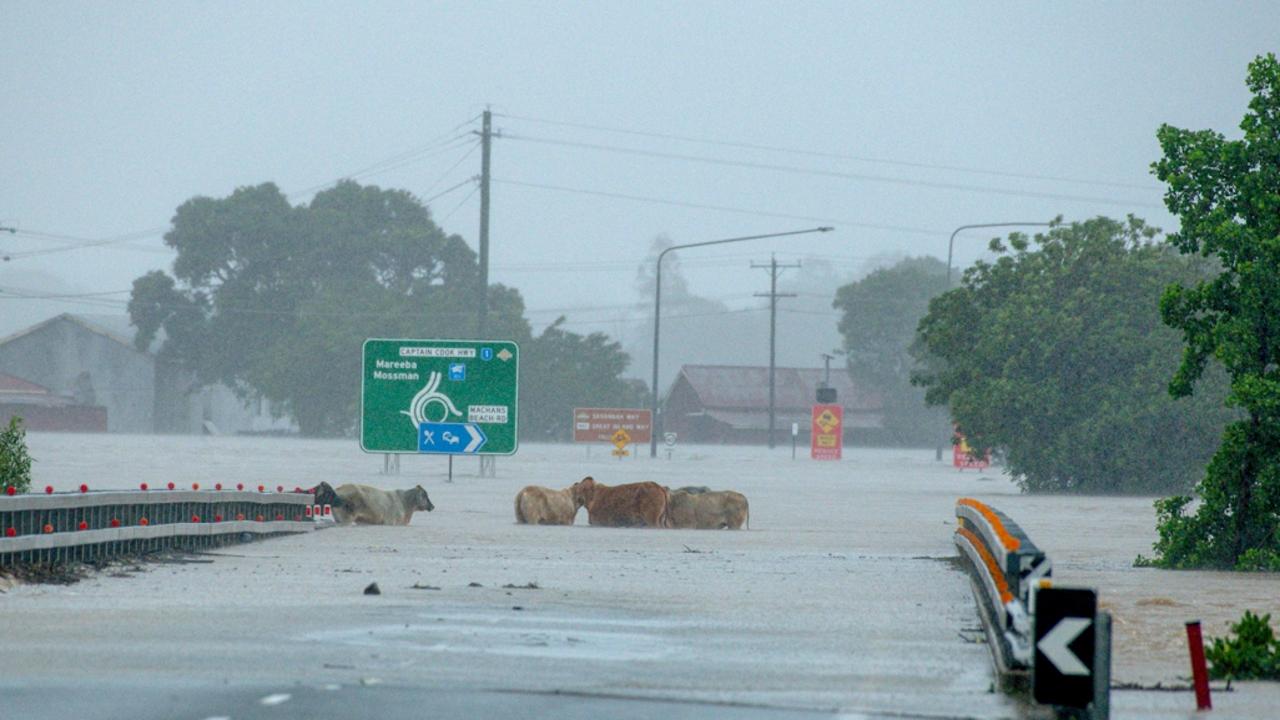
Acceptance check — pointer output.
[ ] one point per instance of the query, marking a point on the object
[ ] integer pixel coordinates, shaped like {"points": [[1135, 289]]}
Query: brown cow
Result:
{"points": [[709, 510], [641, 504], [371, 506], [543, 506]]}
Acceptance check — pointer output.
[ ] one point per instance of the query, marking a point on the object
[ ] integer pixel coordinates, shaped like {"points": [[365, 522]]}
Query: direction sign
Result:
{"points": [[450, 438], [1064, 638], [455, 397], [593, 425]]}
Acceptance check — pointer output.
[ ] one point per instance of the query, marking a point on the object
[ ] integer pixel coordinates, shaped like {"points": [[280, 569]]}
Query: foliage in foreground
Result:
{"points": [[1054, 356], [1253, 654], [1227, 196], [15, 462]]}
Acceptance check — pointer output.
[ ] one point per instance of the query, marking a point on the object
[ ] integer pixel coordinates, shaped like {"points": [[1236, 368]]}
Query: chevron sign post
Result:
{"points": [[1064, 638]]}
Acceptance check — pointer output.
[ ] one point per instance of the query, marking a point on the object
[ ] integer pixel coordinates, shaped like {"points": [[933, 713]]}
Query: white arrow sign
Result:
{"points": [[477, 439], [1054, 645]]}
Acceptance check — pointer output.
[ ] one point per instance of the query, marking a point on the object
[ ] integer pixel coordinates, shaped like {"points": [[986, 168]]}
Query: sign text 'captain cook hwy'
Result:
{"points": [[447, 397]]}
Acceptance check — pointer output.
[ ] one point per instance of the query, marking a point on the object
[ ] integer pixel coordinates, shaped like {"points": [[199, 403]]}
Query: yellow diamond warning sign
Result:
{"points": [[621, 438], [826, 433]]}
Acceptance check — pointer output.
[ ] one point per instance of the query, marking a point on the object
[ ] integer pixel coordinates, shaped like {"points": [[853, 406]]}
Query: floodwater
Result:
{"points": [[841, 596]]}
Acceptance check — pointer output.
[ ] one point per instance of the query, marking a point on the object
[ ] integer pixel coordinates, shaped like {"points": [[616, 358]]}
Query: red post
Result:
{"points": [[1199, 674]]}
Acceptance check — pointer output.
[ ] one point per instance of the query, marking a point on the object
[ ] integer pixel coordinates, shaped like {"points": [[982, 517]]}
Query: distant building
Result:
{"points": [[93, 362], [43, 411], [730, 404]]}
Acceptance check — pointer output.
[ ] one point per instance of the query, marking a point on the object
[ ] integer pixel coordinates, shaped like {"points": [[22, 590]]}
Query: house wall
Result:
{"points": [[55, 356]]}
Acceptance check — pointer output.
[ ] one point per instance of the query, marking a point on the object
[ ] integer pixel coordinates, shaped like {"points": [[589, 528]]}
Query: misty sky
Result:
{"points": [[115, 113]]}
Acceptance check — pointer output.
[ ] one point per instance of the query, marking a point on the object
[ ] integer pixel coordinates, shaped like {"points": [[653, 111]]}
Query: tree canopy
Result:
{"points": [[879, 315], [274, 300], [1227, 195], [1054, 356]]}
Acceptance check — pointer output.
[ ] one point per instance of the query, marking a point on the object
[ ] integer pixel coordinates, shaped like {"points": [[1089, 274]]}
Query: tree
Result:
{"points": [[880, 315], [1054, 355], [15, 461], [563, 370], [1227, 195], [274, 300]]}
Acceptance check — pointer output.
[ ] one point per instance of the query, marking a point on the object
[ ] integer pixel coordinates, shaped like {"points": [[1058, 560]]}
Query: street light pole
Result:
{"points": [[952, 242], [657, 314], [951, 246]]}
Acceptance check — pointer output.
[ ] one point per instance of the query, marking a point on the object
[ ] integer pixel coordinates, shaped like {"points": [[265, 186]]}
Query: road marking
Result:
{"points": [[275, 699], [1054, 645]]}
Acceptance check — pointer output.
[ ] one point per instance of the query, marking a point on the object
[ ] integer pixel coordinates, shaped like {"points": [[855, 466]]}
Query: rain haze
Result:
{"points": [[894, 123], [945, 521]]}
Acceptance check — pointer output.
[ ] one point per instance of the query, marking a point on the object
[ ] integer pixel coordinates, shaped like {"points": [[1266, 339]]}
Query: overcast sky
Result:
{"points": [[901, 121]]}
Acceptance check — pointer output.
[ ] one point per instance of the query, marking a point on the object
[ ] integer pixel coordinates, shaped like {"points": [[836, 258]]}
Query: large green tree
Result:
{"points": [[1227, 195], [562, 370], [879, 316], [1054, 355], [274, 300]]}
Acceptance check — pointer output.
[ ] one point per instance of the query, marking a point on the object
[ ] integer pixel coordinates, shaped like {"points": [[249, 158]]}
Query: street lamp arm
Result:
{"points": [[951, 243], [657, 313]]}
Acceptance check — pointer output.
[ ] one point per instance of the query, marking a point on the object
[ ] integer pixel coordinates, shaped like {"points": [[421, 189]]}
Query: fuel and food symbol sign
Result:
{"points": [[449, 397]]}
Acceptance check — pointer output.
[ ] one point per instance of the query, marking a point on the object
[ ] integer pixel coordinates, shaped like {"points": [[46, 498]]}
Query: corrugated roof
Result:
{"points": [[13, 384], [737, 387], [112, 327], [16, 391]]}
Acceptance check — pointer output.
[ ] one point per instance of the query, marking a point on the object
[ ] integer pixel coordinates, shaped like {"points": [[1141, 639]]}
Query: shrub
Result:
{"points": [[15, 463]]}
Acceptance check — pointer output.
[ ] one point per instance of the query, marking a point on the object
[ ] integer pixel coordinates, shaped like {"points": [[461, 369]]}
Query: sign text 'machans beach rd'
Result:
{"points": [[453, 397]]}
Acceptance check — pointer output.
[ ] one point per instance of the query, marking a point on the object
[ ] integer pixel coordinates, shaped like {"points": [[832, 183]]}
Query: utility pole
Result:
{"points": [[482, 301], [774, 268]]}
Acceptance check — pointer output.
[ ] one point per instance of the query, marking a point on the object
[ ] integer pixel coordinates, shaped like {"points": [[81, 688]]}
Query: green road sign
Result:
{"points": [[452, 397]]}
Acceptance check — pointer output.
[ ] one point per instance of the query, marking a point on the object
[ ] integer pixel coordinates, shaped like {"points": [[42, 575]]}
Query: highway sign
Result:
{"points": [[597, 425], [450, 438], [453, 397], [826, 432], [1062, 673], [669, 439]]}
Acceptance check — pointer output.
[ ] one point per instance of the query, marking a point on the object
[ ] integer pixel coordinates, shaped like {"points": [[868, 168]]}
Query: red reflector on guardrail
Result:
{"points": [[239, 516], [143, 486], [279, 488], [143, 522], [195, 518], [11, 490], [239, 486], [84, 488], [10, 532], [195, 486], [259, 518], [83, 525], [217, 486], [279, 516], [172, 486], [115, 522], [217, 518], [48, 489], [48, 528], [261, 489]]}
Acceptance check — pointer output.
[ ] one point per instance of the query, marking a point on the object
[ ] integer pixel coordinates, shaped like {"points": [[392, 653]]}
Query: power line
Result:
{"points": [[830, 173], [721, 208], [834, 156]]}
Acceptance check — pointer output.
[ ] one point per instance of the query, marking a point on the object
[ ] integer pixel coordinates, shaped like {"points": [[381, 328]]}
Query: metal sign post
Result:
{"points": [[439, 397]]}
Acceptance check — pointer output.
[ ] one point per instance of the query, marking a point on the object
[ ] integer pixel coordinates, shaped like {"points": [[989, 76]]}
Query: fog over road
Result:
{"points": [[841, 598]]}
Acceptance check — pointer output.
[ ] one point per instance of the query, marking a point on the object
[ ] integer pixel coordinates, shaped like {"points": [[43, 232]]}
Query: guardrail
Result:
{"points": [[1006, 564], [91, 526]]}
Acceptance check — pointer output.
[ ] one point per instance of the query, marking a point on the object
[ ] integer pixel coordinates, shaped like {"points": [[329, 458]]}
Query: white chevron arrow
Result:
{"points": [[1054, 645], [477, 438]]}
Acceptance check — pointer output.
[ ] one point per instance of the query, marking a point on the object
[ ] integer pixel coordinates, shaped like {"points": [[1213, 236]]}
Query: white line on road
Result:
{"points": [[275, 699]]}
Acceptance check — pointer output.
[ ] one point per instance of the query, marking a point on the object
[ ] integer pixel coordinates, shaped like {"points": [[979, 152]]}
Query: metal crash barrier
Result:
{"points": [[1049, 640], [93, 526]]}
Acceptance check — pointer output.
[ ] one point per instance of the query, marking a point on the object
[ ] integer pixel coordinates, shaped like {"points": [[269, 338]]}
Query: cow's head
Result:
{"points": [[418, 500], [326, 495], [583, 491]]}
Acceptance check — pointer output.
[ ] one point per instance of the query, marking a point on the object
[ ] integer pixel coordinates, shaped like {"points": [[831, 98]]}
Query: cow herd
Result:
{"points": [[642, 504]]}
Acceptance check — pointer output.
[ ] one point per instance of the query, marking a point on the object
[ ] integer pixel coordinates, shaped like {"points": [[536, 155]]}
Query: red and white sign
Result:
{"points": [[598, 425], [826, 432], [961, 458]]}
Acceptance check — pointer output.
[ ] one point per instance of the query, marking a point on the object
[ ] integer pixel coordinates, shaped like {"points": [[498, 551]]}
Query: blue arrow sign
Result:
{"points": [[450, 438]]}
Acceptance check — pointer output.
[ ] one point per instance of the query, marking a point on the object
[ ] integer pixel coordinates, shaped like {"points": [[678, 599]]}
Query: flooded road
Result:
{"points": [[841, 598]]}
